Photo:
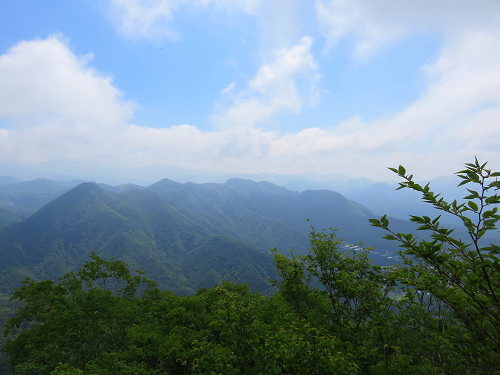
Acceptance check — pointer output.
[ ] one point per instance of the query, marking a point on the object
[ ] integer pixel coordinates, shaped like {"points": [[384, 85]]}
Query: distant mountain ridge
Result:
{"points": [[170, 230], [379, 197], [6, 180]]}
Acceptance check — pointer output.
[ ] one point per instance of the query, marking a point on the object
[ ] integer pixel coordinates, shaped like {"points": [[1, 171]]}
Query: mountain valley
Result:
{"points": [[185, 236]]}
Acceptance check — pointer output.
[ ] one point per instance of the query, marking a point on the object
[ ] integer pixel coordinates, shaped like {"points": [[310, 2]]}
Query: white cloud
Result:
{"points": [[229, 89], [43, 77], [54, 104], [374, 24], [457, 115], [278, 22], [58, 107], [144, 18], [151, 19], [274, 88]]}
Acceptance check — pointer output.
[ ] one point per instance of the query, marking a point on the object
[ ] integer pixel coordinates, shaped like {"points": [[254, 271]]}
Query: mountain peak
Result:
{"points": [[164, 185]]}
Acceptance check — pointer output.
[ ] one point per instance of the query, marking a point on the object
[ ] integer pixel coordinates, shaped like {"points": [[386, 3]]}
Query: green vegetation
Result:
{"points": [[463, 275], [333, 312], [103, 320]]}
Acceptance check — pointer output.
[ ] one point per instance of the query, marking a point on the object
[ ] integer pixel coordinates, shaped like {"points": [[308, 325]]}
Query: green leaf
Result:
{"points": [[384, 221], [401, 170], [493, 199], [490, 223], [495, 249], [473, 205], [435, 221], [473, 176], [390, 237]]}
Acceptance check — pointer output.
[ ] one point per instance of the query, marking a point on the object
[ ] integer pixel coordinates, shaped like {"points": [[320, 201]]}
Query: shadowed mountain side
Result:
{"points": [[221, 256], [9, 217], [226, 209], [136, 226], [140, 229], [267, 216], [325, 209]]}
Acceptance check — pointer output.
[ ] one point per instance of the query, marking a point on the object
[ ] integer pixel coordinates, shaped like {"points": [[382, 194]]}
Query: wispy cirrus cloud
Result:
{"points": [[149, 19], [373, 25]]}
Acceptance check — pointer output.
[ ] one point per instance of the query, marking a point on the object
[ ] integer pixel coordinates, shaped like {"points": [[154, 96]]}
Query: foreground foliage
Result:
{"points": [[462, 274], [334, 312]]}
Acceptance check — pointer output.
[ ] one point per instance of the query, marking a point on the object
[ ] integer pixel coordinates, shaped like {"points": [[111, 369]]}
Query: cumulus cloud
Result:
{"points": [[49, 96], [274, 88], [58, 107], [458, 113]]}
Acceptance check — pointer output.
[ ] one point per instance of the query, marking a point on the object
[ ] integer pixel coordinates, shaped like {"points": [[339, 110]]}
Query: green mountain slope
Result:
{"points": [[136, 226], [222, 256], [9, 217], [225, 209], [268, 216]]}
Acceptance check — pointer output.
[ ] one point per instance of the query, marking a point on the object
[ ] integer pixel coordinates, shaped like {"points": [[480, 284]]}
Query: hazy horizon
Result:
{"points": [[66, 171]]}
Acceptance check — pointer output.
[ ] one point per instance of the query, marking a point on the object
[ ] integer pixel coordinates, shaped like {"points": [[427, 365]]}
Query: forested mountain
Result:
{"points": [[137, 226], [182, 235], [7, 216], [268, 216]]}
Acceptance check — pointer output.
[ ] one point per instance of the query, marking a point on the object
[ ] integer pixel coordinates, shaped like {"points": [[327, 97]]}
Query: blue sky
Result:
{"points": [[251, 86]]}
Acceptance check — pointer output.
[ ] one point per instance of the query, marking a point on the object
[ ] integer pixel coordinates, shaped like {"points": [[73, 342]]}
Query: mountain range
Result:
{"points": [[184, 235]]}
